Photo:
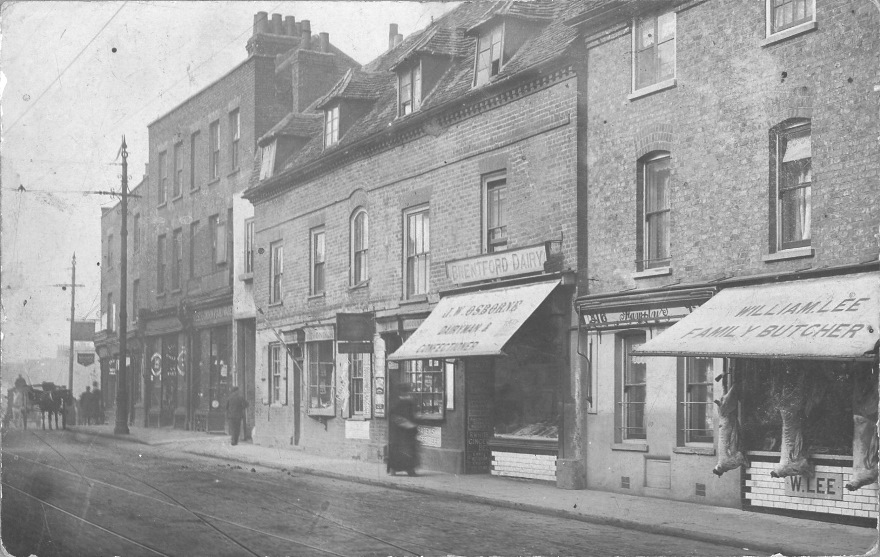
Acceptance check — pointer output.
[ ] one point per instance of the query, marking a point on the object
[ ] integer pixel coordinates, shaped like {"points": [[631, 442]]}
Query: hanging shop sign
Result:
{"points": [[497, 265], [616, 318], [355, 327], [822, 485], [85, 359], [156, 364]]}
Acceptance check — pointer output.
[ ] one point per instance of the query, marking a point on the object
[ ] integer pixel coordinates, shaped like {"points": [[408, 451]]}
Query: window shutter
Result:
{"points": [[343, 383], [368, 385], [264, 390]]}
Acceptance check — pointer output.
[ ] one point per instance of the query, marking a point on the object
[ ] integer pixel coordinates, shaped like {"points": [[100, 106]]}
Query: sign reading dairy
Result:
{"points": [[497, 265]]}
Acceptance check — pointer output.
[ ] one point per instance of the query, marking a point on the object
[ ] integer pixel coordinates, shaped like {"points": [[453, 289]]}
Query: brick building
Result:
{"points": [[194, 322], [442, 175], [731, 169]]}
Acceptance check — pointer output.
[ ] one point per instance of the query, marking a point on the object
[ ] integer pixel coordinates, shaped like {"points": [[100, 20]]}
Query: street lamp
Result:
{"points": [[122, 378]]}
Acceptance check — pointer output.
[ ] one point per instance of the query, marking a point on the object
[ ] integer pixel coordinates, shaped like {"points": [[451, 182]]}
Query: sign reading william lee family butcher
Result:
{"points": [[497, 265]]}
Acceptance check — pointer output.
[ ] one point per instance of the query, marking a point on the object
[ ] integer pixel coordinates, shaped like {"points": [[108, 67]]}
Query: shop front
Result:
{"points": [[797, 408], [212, 376], [488, 368]]}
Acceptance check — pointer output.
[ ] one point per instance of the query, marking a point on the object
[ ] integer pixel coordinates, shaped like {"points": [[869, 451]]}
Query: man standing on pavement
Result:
{"points": [[235, 407], [98, 403]]}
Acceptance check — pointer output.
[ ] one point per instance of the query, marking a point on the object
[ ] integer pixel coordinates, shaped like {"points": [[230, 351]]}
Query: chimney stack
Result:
{"points": [[398, 38], [392, 35], [275, 27], [305, 35], [290, 26], [325, 41], [261, 23]]}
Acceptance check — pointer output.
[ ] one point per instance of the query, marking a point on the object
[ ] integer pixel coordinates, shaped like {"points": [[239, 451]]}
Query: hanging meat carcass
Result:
{"points": [[730, 455], [865, 442], [795, 392]]}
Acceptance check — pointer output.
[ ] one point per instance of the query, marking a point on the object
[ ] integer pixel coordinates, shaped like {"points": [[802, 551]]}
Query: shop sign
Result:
{"points": [[354, 347], [156, 364], [85, 359], [823, 485], [357, 429], [429, 436], [379, 378], [497, 265], [355, 327], [181, 362], [622, 318], [212, 315], [112, 365], [319, 332]]}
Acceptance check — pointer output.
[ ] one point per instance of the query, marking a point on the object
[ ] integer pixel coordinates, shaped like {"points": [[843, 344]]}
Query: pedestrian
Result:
{"points": [[235, 407], [97, 404], [402, 444], [85, 405]]}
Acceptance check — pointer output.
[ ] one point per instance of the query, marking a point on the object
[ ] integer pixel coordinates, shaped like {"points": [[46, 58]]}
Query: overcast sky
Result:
{"points": [[79, 75]]}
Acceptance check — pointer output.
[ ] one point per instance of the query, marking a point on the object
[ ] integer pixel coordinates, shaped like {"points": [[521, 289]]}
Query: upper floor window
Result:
{"points": [[234, 137], [193, 247], [276, 272], [791, 191], [785, 14], [410, 89], [417, 251], [267, 161], [214, 148], [633, 381], [163, 178], [135, 294], [249, 246], [360, 242], [652, 238], [178, 170], [489, 54], [160, 264], [495, 216], [653, 50], [331, 126], [136, 232], [217, 230], [176, 258], [317, 260], [109, 251], [697, 406], [194, 146], [111, 313]]}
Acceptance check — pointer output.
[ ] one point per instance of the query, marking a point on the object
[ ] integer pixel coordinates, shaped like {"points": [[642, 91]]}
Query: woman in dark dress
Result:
{"points": [[402, 445]]}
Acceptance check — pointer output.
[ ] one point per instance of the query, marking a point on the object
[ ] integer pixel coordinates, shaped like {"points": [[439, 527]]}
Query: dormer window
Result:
{"points": [[410, 89], [489, 54], [331, 126], [267, 160]]}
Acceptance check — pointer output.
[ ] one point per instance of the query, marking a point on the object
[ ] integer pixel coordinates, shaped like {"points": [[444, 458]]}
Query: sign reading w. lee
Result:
{"points": [[822, 485], [497, 265]]}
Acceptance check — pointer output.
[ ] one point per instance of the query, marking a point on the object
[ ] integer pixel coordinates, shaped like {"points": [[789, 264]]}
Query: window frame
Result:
{"points": [[249, 243], [109, 251], [331, 126], [687, 401], [214, 151], [161, 263], [135, 294], [416, 373], [626, 389], [176, 258], [278, 374], [193, 231], [234, 138], [317, 268], [360, 261], [412, 290], [412, 101], [267, 160], [657, 80], [785, 131], [496, 181], [177, 179], [111, 321], [136, 232], [484, 73], [771, 30], [163, 179], [358, 374], [193, 160], [276, 272], [644, 259], [315, 364]]}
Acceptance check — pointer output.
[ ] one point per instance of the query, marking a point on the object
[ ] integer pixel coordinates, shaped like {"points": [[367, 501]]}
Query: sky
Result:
{"points": [[76, 77]]}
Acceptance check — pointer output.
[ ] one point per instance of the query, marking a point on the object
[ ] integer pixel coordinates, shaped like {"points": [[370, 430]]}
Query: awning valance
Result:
{"points": [[826, 318], [474, 324]]}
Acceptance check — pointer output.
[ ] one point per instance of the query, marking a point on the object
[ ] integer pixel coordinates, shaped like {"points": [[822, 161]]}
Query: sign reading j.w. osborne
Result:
{"points": [[497, 265]]}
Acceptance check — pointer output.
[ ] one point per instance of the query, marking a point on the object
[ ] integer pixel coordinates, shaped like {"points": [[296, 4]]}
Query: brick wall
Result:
{"points": [[522, 465]]}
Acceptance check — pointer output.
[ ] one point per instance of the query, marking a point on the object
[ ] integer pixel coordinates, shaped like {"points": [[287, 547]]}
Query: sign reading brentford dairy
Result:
{"points": [[497, 265]]}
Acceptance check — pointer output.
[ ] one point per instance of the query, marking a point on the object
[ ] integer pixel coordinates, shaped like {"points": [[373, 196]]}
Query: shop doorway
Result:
{"points": [[479, 406]]}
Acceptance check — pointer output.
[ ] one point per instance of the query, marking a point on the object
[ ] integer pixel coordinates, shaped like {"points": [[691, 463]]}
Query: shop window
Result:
{"points": [[249, 246], [791, 207], [319, 359], [489, 55], [194, 144], [495, 217], [652, 205], [278, 374], [653, 50], [316, 240], [696, 403], [163, 179], [360, 243], [409, 89], [276, 272], [331, 126], [356, 383], [214, 161], [417, 252], [160, 264], [234, 137], [785, 14], [429, 393], [631, 396], [176, 257], [178, 171]]}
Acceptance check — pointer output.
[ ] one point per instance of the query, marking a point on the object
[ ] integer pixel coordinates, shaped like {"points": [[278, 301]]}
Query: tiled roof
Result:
{"points": [[533, 10], [438, 40], [296, 125], [356, 84]]}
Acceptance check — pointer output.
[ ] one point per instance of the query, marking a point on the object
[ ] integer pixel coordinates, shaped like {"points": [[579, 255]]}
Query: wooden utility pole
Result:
{"points": [[122, 377], [72, 286]]}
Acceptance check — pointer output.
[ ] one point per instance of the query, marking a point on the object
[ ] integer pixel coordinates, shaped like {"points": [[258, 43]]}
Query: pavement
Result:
{"points": [[744, 531]]}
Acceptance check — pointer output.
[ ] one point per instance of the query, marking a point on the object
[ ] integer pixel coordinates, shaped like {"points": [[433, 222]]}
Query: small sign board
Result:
{"points": [[618, 318], [497, 265], [357, 429], [85, 359], [355, 327], [823, 485], [429, 436]]}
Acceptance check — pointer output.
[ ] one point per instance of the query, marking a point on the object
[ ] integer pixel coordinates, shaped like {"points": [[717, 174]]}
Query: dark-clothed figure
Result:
{"points": [[402, 444], [97, 404], [235, 408], [86, 404]]}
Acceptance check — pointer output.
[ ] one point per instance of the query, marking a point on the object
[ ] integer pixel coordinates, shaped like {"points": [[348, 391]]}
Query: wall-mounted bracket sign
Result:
{"points": [[497, 265]]}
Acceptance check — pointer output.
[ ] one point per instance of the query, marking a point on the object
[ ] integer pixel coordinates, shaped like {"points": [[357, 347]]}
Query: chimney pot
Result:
{"points": [[392, 34], [275, 28], [297, 29], [290, 26], [305, 34], [325, 41], [261, 22]]}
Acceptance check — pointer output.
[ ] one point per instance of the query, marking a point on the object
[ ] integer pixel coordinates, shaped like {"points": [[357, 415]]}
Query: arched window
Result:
{"points": [[790, 185], [652, 206], [360, 243]]}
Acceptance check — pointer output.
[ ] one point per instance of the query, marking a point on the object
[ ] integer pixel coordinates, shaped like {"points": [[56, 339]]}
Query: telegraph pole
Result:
{"points": [[72, 286], [122, 379]]}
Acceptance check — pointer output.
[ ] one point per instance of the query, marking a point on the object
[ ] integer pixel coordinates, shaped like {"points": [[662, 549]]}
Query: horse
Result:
{"points": [[51, 400], [17, 409]]}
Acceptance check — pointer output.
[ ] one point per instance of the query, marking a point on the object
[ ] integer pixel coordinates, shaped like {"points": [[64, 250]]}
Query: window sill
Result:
{"points": [[420, 299], [706, 451], [161, 205], [214, 181], [794, 253], [246, 277], [318, 296], [655, 272], [175, 291], [234, 172], [195, 189], [358, 418], [791, 32], [633, 447], [160, 295], [276, 304], [360, 286], [651, 89], [178, 197], [432, 418]]}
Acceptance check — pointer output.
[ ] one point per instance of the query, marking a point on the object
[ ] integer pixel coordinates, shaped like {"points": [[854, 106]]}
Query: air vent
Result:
{"points": [[624, 482], [701, 490]]}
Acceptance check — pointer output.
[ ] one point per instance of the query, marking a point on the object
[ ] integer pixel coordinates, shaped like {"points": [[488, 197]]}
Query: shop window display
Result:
{"points": [[428, 391], [320, 361]]}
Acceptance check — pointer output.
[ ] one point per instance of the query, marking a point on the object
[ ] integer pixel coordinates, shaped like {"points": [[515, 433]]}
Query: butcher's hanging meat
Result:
{"points": [[730, 456], [865, 442], [794, 393]]}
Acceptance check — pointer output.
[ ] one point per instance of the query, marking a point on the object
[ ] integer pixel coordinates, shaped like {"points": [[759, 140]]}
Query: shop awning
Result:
{"points": [[474, 324], [827, 318]]}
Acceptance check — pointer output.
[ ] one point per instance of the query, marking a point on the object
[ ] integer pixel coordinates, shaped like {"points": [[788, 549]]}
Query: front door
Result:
{"points": [[479, 391], [169, 381], [220, 378]]}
